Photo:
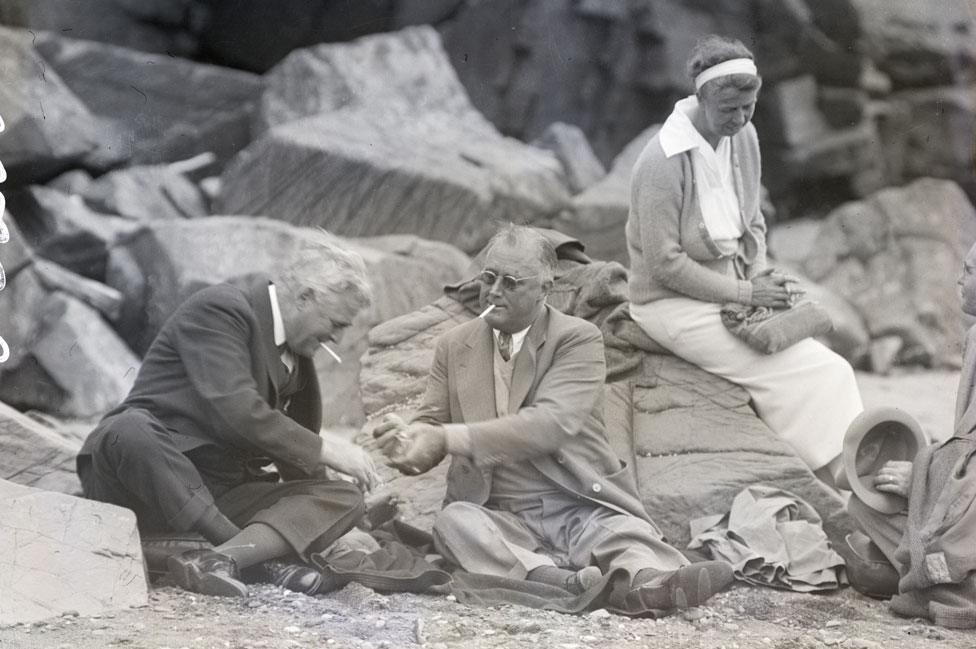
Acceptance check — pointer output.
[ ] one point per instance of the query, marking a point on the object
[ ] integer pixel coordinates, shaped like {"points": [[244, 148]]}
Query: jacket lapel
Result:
{"points": [[476, 382], [523, 374]]}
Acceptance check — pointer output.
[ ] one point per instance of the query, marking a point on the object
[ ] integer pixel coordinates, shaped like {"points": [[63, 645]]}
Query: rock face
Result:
{"points": [[388, 161], [691, 438], [920, 42], [146, 193], [148, 25], [598, 215], [48, 127], [60, 553], [893, 257], [35, 455], [167, 261], [161, 108]]}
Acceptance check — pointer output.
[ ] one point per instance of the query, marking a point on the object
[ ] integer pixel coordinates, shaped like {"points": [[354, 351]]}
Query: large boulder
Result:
{"points": [[148, 25], [572, 149], [598, 215], [406, 73], [73, 362], [36, 455], [387, 156], [60, 554], [161, 108], [895, 257], [61, 227], [691, 438], [146, 193], [167, 261], [920, 42], [48, 127]]}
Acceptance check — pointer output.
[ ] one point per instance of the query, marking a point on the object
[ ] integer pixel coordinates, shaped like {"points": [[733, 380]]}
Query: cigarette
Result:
{"points": [[487, 311], [331, 353]]}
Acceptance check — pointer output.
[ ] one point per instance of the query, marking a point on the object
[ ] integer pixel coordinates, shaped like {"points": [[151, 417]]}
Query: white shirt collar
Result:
{"points": [[279, 324], [517, 339], [678, 134]]}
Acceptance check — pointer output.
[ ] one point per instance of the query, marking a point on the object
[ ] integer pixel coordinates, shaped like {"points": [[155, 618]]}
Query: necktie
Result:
{"points": [[505, 345]]}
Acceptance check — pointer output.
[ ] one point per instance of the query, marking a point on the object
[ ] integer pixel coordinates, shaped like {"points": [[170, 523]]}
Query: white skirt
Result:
{"points": [[806, 394]]}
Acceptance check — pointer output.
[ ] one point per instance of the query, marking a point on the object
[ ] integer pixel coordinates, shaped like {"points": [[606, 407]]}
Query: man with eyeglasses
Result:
{"points": [[227, 388], [534, 489]]}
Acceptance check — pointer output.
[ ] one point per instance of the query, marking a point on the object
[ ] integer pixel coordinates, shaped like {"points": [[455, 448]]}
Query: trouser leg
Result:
{"points": [[487, 541], [885, 530], [611, 540], [135, 464], [309, 514]]}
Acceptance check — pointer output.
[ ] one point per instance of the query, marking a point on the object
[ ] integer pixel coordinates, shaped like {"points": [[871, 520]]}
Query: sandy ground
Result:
{"points": [[742, 618]]}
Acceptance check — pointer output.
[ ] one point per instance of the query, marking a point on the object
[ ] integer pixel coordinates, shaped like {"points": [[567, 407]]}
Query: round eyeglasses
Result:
{"points": [[509, 283]]}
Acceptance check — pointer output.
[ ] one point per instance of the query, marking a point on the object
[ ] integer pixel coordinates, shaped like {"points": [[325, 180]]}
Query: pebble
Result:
{"points": [[832, 623], [418, 631], [600, 612], [292, 629]]}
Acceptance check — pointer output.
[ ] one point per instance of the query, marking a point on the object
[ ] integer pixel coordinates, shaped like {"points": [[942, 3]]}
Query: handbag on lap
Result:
{"points": [[769, 330]]}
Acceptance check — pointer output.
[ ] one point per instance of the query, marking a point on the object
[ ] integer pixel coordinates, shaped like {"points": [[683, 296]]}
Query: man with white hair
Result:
{"points": [[228, 387]]}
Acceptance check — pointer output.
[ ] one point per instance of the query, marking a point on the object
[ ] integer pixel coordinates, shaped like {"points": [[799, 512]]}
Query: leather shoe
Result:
{"points": [[685, 587], [206, 572], [868, 569], [296, 577]]}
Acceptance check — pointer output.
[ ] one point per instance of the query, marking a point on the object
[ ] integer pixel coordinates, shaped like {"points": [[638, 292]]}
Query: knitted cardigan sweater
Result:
{"points": [[671, 252]]}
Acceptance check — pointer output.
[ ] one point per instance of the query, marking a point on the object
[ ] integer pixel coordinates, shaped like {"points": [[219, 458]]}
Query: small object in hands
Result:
{"points": [[486, 311], [331, 353]]}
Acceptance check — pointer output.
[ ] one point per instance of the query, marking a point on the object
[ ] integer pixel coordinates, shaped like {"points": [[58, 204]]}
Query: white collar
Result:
{"points": [[279, 324], [678, 134], [517, 338]]}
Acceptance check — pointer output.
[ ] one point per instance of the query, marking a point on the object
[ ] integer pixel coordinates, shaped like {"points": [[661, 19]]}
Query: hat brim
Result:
{"points": [[886, 503]]}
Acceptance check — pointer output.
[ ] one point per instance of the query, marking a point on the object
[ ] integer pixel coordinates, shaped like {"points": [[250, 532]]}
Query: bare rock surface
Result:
{"points": [[571, 147], [891, 255], [147, 25], [404, 72], [146, 192], [36, 455], [387, 143], [60, 554], [167, 261], [921, 42], [48, 127], [161, 108], [598, 215]]}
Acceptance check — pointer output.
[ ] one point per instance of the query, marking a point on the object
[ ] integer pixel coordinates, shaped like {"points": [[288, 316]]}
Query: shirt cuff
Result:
{"points": [[457, 439], [745, 292]]}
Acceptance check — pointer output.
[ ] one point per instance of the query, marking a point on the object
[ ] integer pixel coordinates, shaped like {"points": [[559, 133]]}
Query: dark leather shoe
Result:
{"points": [[685, 587], [868, 569], [295, 577], [206, 572]]}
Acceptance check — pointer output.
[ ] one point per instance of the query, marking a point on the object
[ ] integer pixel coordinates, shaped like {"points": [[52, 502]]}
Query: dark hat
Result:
{"points": [[875, 437]]}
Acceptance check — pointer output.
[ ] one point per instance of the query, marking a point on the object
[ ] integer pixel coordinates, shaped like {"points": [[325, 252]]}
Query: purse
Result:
{"points": [[769, 330]]}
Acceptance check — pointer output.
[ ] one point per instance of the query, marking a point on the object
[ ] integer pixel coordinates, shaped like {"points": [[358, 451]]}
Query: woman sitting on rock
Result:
{"points": [[696, 239]]}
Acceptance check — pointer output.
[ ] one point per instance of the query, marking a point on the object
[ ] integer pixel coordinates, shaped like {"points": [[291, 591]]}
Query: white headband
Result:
{"points": [[724, 69]]}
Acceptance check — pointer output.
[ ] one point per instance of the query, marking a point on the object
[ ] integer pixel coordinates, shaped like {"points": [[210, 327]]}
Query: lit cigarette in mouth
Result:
{"points": [[487, 311], [331, 353]]}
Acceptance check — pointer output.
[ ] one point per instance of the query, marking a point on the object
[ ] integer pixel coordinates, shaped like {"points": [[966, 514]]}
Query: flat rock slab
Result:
{"points": [[163, 108], [34, 455], [61, 554]]}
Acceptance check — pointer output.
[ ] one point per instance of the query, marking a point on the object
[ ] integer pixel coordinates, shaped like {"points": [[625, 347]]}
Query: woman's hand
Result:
{"points": [[769, 289], [895, 477]]}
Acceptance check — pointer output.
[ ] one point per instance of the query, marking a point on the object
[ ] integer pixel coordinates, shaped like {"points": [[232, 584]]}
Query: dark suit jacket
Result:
{"points": [[213, 376], [556, 406]]}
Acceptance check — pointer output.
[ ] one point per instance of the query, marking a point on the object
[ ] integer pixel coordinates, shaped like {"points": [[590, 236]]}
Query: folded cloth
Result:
{"points": [[772, 538]]}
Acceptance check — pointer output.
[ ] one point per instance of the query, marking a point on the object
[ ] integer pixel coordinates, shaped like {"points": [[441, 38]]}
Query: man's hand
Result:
{"points": [[895, 477], [391, 435], [422, 448], [351, 459]]}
